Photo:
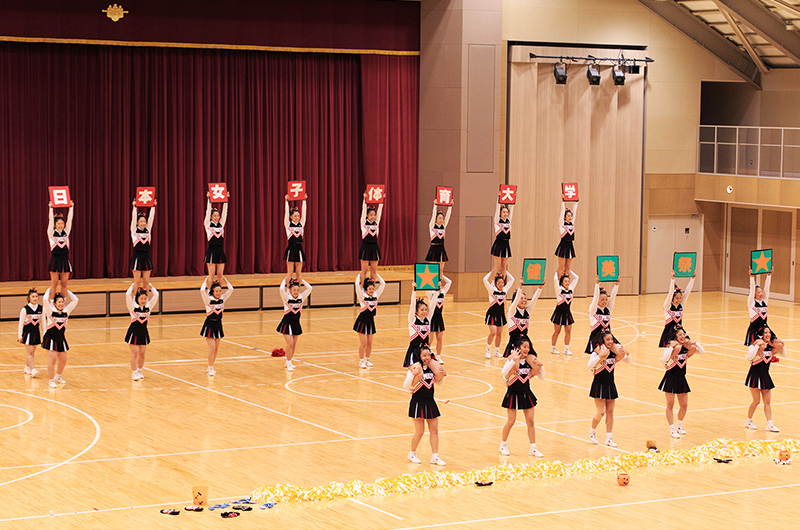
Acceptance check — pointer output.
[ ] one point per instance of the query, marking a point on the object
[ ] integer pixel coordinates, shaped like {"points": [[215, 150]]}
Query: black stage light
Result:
{"points": [[593, 74], [619, 75], [560, 73], [633, 69]]}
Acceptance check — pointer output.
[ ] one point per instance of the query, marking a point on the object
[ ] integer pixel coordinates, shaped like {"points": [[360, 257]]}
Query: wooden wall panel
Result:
{"points": [[776, 233]]}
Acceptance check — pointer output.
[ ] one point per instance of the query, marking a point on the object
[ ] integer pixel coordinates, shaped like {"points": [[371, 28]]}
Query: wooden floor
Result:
{"points": [[103, 451]]}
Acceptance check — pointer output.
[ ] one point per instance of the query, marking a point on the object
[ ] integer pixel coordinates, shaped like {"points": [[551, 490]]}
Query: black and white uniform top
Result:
{"points": [[140, 260], [365, 323], [59, 244], [600, 318], [290, 323], [673, 314], [517, 375], [215, 234], [603, 386], [496, 313], [502, 232], [56, 322], [294, 235], [369, 250], [565, 248], [436, 252], [30, 321], [562, 314], [758, 375], [519, 320], [422, 403], [436, 302], [758, 311], [212, 327], [674, 380], [419, 331], [137, 331]]}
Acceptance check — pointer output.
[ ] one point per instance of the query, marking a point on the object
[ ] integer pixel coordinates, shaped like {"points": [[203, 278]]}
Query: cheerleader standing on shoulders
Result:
{"points": [[58, 236], [423, 373], [600, 318], [29, 334], [289, 325], [141, 264], [757, 307], [604, 390], [674, 382], [501, 248], [437, 226], [496, 314], [294, 222], [565, 251], [137, 336], [419, 327], [436, 299], [369, 254], [214, 224], [519, 318], [214, 301], [562, 315], [520, 366], [673, 313], [760, 354], [56, 312], [367, 295]]}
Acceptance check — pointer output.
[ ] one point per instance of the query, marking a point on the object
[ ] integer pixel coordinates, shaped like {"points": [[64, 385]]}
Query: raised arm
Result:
{"points": [[204, 292], [687, 292], [433, 216], [207, 218], [73, 301], [486, 283], [224, 216], [668, 299], [364, 210], [359, 288], [574, 211], [556, 284], [133, 221], [307, 291], [595, 298], [562, 214], [303, 214], [379, 213], [532, 301], [514, 304], [286, 216], [613, 296], [229, 291], [447, 283], [152, 302], [509, 283], [47, 307], [510, 212], [751, 296], [68, 226], [574, 281], [129, 298], [767, 282], [412, 309], [497, 212], [282, 291], [51, 226], [381, 286], [447, 215]]}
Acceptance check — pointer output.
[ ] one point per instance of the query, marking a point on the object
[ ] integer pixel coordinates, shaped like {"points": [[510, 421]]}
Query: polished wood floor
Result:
{"points": [[103, 451]]}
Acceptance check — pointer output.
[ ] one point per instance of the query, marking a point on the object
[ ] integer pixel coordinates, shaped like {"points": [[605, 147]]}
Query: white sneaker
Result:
{"points": [[750, 425], [34, 372], [136, 376], [593, 438], [26, 371], [488, 352], [674, 433], [438, 461], [535, 452], [497, 352], [413, 457], [60, 380], [367, 363], [504, 449], [680, 430], [211, 371], [610, 442], [440, 360], [553, 350], [52, 384], [289, 366], [566, 351], [772, 428], [362, 363]]}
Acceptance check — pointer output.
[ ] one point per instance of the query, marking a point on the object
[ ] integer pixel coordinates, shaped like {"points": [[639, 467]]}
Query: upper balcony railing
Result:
{"points": [[755, 151]]}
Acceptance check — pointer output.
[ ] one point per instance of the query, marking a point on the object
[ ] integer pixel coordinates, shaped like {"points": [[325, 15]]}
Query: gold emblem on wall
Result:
{"points": [[114, 12]]}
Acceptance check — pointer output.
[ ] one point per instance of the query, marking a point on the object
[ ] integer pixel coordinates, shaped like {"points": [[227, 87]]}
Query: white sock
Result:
{"points": [[608, 436], [592, 431], [503, 444], [497, 349], [434, 456], [533, 447], [680, 424]]}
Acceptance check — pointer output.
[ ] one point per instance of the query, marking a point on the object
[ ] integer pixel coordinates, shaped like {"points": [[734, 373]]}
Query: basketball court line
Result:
{"points": [[374, 508]]}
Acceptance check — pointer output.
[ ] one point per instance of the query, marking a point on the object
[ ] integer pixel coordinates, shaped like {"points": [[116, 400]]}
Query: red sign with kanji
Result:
{"points": [[297, 190], [375, 193], [508, 194], [145, 196], [217, 192], [569, 191], [59, 196], [444, 196]]}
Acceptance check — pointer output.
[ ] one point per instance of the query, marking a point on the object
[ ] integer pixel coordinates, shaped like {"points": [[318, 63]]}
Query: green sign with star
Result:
{"points": [[426, 276], [761, 261]]}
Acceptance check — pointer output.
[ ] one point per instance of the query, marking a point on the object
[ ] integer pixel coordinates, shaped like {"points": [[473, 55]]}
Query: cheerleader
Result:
{"points": [[603, 389], [214, 224], [294, 256], [517, 372], [369, 254], [600, 318], [674, 381], [419, 327], [367, 295], [437, 226], [519, 318], [422, 374], [436, 300], [565, 251], [29, 332], [214, 301], [757, 307], [501, 248], [58, 236], [562, 315], [289, 325], [137, 336], [141, 264], [761, 353], [56, 312], [496, 314]]}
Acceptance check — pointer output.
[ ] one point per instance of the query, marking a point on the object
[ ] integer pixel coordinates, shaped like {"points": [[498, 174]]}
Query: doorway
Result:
{"points": [[667, 234]]}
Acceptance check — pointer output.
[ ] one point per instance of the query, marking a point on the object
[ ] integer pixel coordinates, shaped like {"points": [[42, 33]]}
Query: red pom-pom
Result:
{"points": [[278, 352]]}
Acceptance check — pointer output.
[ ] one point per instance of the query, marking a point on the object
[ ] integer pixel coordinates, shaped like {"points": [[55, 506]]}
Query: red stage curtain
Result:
{"points": [[104, 120]]}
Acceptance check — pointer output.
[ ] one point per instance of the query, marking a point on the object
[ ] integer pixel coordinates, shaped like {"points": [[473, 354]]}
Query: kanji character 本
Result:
{"points": [[145, 196], [684, 264], [444, 195], [570, 191], [60, 197], [608, 268], [534, 271], [217, 192]]}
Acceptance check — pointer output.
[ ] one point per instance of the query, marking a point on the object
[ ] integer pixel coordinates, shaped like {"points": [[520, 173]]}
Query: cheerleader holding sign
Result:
{"points": [[673, 313], [137, 336], [294, 255], [437, 227], [600, 318], [565, 251], [757, 307], [423, 373], [370, 254], [419, 327], [501, 248], [29, 334], [214, 224], [367, 295], [760, 354], [520, 366], [289, 325], [141, 264], [56, 312], [58, 236]]}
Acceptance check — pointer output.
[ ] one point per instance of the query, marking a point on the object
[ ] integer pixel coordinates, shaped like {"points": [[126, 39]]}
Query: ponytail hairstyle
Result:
{"points": [[293, 211], [140, 215], [561, 280], [420, 302], [522, 340], [371, 209], [416, 355], [566, 212], [31, 291], [292, 283], [213, 286], [603, 291], [57, 296], [367, 282], [140, 292]]}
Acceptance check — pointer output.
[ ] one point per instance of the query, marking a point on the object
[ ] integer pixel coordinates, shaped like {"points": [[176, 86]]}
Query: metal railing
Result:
{"points": [[754, 151]]}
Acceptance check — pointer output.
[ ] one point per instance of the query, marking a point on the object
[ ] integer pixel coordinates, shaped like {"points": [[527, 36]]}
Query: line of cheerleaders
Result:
{"points": [[425, 367]]}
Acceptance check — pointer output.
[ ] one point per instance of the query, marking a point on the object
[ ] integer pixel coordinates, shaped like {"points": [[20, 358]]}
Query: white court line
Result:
{"points": [[374, 508], [29, 413]]}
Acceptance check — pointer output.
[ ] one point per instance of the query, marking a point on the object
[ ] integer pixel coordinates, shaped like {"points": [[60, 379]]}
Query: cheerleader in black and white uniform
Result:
{"points": [[565, 251], [436, 300], [603, 390], [674, 383], [369, 254], [137, 336], [496, 314], [141, 232], [423, 373], [520, 366], [757, 307], [419, 327], [367, 295], [437, 227], [600, 318], [294, 256], [501, 248], [562, 314], [214, 301], [58, 237], [761, 353], [28, 333], [56, 312], [519, 318], [214, 225], [289, 325]]}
